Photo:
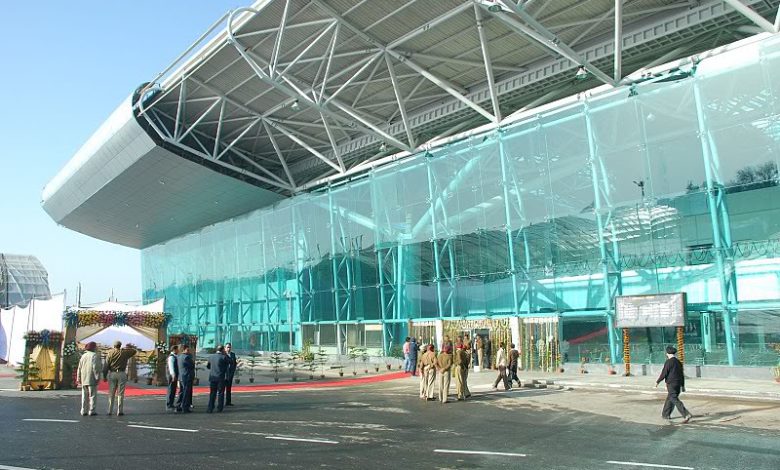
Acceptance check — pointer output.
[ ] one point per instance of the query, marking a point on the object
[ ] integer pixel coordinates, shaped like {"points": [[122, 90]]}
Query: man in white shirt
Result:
{"points": [[501, 363], [88, 375], [172, 369]]}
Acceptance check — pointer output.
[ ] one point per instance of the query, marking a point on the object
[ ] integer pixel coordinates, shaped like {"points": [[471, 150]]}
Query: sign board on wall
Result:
{"points": [[639, 311]]}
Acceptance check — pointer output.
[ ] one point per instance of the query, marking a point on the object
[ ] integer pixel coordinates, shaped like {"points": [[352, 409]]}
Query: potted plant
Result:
{"points": [[292, 363], [353, 353], [610, 370], [364, 359], [396, 352], [276, 364], [151, 364], [199, 363], [322, 359], [583, 361], [308, 358], [252, 365], [27, 371], [237, 375]]}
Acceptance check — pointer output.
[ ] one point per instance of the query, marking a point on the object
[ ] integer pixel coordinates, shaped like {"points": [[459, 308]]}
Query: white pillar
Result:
{"points": [[439, 324], [514, 327]]}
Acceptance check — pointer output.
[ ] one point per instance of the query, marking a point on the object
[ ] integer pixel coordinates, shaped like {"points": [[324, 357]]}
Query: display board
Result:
{"points": [[639, 311]]}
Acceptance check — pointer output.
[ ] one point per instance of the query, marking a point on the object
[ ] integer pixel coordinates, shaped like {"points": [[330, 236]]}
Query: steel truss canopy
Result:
{"points": [[289, 95]]}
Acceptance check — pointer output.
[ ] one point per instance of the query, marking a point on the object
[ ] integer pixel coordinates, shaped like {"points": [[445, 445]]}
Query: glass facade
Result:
{"points": [[670, 186]]}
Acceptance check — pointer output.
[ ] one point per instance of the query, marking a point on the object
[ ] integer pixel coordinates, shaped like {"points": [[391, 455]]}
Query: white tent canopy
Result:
{"points": [[142, 337], [16, 321]]}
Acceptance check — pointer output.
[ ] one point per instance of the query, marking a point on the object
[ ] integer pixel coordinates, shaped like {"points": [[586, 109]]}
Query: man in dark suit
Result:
{"points": [[672, 373], [218, 368], [186, 368], [232, 365]]}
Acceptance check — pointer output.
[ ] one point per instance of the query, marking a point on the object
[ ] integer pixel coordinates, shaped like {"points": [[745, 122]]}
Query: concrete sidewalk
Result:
{"points": [[745, 389]]}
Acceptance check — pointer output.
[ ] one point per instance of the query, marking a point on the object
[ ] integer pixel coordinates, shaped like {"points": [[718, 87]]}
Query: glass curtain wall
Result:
{"points": [[670, 186]]}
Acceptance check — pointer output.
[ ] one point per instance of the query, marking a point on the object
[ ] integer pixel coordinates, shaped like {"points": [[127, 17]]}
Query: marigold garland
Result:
{"points": [[81, 318]]}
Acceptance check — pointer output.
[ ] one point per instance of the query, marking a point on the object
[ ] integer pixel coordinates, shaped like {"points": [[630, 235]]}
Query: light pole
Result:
{"points": [[289, 295]]}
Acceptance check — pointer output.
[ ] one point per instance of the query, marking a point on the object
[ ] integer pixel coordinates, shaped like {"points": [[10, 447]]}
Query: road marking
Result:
{"points": [[6, 467], [298, 439], [52, 420], [640, 464], [161, 428], [478, 452]]}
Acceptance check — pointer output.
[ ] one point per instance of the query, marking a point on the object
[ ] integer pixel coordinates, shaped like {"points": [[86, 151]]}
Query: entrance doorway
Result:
{"points": [[540, 347]]}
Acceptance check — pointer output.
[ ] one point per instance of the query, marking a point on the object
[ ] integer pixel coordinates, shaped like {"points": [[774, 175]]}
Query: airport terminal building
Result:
{"points": [[351, 172]]}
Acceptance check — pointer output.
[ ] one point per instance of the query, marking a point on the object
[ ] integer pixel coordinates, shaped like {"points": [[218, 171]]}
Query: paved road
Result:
{"points": [[373, 426]]}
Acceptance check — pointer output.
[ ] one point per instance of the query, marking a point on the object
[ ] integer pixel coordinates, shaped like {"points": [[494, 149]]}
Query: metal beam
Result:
{"points": [[200, 118], [278, 41], [308, 48], [333, 144], [180, 108], [427, 26], [469, 63], [488, 65], [327, 67], [296, 93], [450, 88], [618, 68], [400, 100], [777, 20], [547, 39], [281, 157], [750, 14], [443, 84], [303, 144]]}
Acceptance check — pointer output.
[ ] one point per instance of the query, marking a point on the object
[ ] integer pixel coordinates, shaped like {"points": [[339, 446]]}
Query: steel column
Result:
{"points": [[721, 230], [609, 294]]}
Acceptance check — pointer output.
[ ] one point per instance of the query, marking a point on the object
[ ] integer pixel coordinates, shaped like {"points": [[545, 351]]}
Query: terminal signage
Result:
{"points": [[639, 311]]}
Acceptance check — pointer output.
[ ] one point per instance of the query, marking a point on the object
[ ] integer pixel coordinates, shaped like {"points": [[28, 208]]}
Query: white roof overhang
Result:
{"points": [[289, 95]]}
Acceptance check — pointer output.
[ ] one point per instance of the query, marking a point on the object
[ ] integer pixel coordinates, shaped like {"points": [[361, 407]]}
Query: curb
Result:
{"points": [[702, 392]]}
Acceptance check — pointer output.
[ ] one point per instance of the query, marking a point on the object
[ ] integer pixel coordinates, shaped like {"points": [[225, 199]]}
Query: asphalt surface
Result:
{"points": [[374, 426]]}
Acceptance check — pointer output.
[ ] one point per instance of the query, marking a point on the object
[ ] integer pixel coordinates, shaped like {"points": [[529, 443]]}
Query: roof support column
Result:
{"points": [[488, 65], [543, 36], [750, 14], [399, 98], [618, 41]]}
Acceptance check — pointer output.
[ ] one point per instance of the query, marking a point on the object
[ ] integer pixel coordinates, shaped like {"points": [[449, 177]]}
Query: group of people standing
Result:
{"points": [[180, 371], [113, 370], [454, 360]]}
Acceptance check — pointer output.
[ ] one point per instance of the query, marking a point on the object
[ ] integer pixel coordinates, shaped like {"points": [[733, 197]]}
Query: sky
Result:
{"points": [[64, 68]]}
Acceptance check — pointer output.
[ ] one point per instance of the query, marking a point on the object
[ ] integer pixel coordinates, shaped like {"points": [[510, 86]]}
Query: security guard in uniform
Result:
{"points": [[444, 366]]}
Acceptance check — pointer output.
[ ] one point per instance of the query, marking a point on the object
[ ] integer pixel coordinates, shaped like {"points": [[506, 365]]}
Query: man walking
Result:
{"points": [[501, 364], [673, 374], [232, 366], [514, 355], [186, 367], [480, 347], [88, 375], [407, 366], [172, 370], [444, 365], [413, 349], [114, 373], [218, 367]]}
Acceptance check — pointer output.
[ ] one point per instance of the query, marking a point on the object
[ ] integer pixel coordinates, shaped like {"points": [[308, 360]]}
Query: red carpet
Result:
{"points": [[134, 390]]}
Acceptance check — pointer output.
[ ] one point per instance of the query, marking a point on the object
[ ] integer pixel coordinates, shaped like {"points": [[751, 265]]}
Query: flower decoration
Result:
{"points": [[45, 338], [70, 349], [80, 318], [161, 346]]}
